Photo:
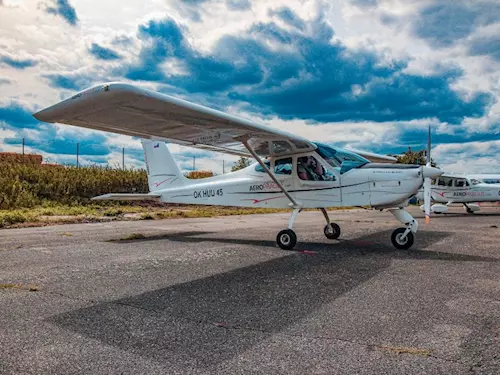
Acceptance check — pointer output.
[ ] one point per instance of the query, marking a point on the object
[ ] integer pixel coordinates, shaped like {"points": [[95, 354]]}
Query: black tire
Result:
{"points": [[332, 231], [402, 245], [286, 239]]}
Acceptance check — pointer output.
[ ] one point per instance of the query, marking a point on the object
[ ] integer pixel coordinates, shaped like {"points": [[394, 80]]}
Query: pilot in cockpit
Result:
{"points": [[308, 168]]}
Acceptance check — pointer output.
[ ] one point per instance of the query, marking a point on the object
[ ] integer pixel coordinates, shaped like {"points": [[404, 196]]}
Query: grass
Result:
{"points": [[29, 287], [64, 214]]}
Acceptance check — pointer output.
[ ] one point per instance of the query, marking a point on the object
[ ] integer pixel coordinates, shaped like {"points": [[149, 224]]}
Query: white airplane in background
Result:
{"points": [[465, 189], [290, 172], [450, 188]]}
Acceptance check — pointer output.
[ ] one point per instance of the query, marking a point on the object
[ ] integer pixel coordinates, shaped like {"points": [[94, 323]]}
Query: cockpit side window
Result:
{"points": [[445, 181], [459, 182], [310, 169], [335, 157]]}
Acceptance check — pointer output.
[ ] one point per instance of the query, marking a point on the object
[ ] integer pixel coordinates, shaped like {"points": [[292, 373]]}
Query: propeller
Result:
{"points": [[427, 181]]}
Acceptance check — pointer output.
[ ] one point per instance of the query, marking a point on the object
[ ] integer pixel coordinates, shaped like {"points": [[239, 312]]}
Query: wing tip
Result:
{"points": [[49, 114]]}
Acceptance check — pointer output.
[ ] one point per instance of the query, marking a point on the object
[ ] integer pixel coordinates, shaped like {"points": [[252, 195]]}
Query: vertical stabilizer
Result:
{"points": [[163, 172]]}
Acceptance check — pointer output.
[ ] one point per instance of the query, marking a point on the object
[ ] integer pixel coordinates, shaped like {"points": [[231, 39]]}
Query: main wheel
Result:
{"points": [[402, 243], [332, 231], [286, 239]]}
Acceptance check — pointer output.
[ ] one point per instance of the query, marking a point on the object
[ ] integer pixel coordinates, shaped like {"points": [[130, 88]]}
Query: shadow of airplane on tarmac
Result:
{"points": [[373, 243], [204, 322]]}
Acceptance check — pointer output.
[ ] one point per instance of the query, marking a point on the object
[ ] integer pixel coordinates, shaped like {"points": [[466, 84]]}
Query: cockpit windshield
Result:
{"points": [[337, 157]]}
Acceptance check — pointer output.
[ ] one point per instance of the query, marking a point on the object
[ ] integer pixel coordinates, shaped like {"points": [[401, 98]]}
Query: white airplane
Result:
{"points": [[290, 172], [451, 188], [465, 189]]}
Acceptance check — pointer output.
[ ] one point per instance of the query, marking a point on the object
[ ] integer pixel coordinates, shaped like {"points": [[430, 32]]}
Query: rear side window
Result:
{"points": [[258, 167], [281, 166]]}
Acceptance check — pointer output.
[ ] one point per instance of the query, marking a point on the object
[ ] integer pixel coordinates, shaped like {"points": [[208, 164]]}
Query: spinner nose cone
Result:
{"points": [[431, 172]]}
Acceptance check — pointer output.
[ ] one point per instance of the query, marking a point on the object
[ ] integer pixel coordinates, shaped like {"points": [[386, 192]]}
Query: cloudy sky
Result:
{"points": [[366, 74]]}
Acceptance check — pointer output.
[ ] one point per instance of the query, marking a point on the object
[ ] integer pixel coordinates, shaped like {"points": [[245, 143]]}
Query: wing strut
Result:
{"points": [[294, 204]]}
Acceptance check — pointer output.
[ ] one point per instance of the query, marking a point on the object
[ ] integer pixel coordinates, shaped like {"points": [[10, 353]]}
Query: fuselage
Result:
{"points": [[353, 183]]}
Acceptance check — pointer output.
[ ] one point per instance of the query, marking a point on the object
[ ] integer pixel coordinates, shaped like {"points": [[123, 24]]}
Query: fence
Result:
{"points": [[72, 152]]}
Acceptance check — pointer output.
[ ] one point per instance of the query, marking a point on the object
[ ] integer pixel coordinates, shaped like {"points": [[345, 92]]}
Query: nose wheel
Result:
{"points": [[403, 238], [400, 241]]}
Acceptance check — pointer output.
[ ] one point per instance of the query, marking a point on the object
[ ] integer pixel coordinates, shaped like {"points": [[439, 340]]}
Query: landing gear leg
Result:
{"points": [[469, 211], [403, 238], [332, 230], [287, 239]]}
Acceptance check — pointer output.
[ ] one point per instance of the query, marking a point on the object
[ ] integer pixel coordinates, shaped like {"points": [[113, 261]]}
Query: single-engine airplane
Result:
{"points": [[290, 172], [465, 189]]}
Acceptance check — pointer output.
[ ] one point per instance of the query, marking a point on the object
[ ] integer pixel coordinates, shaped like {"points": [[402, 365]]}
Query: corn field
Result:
{"points": [[29, 184], [24, 185]]}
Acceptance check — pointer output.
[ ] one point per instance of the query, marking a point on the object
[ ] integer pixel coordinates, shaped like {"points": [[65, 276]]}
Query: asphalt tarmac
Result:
{"points": [[216, 296]]}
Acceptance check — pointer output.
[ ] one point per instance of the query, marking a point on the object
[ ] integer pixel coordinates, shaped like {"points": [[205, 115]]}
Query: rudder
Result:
{"points": [[163, 172]]}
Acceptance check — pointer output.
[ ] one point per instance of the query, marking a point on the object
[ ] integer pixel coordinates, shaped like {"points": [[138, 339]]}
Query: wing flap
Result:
{"points": [[126, 109]]}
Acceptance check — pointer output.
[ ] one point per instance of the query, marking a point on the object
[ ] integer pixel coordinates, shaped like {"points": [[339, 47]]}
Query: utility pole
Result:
{"points": [[77, 154], [23, 145], [194, 162], [223, 169], [123, 157]]}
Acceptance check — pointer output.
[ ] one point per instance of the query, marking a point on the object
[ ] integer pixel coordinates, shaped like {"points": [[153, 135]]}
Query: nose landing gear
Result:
{"points": [[403, 238]]}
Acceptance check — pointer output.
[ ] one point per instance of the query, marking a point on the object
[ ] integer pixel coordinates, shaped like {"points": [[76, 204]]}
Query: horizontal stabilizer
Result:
{"points": [[127, 197]]}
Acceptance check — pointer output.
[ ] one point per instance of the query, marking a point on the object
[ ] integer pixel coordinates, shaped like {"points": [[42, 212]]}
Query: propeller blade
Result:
{"points": [[427, 199], [427, 181]]}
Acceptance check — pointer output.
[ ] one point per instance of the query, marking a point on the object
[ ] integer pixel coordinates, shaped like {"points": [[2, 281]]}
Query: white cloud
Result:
{"points": [[479, 157], [26, 31]]}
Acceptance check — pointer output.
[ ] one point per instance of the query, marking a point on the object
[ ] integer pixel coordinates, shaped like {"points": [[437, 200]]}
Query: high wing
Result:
{"points": [[126, 109], [375, 158]]}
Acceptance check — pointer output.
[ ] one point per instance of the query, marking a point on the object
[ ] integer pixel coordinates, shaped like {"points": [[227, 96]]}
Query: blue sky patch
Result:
{"points": [[64, 9]]}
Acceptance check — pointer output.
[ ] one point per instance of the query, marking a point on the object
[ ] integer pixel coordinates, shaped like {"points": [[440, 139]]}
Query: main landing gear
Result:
{"points": [[403, 238], [287, 239]]}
